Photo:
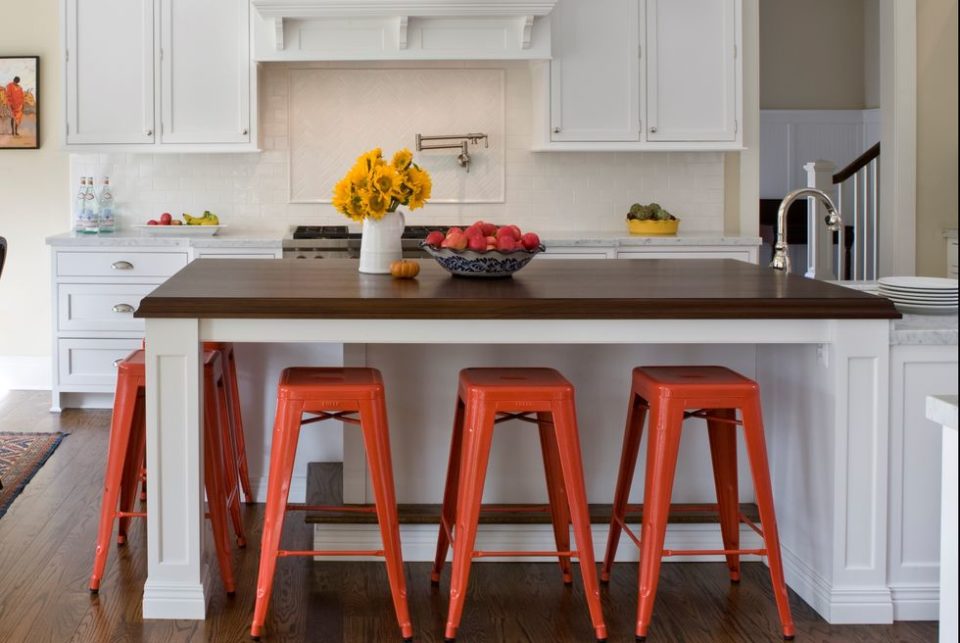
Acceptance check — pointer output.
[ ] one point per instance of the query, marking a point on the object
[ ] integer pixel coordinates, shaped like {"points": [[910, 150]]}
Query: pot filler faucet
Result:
{"points": [[781, 260]]}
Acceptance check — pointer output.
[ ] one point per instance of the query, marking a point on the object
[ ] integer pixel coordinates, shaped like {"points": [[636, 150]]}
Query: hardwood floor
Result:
{"points": [[46, 551]]}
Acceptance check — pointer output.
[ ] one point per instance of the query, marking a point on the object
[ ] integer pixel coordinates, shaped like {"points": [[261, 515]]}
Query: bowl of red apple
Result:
{"points": [[483, 249]]}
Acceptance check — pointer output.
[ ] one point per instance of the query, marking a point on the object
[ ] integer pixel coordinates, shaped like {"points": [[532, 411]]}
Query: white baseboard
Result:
{"points": [[419, 542], [298, 488], [916, 602], [837, 605], [24, 372]]}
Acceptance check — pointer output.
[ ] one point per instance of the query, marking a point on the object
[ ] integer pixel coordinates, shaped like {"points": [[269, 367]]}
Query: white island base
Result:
{"points": [[824, 383]]}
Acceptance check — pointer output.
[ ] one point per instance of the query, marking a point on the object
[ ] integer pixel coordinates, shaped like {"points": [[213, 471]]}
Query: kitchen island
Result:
{"points": [[821, 356]]}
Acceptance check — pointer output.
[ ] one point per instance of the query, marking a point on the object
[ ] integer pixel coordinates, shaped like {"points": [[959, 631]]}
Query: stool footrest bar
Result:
{"points": [[713, 552], [284, 553], [513, 554], [357, 509]]}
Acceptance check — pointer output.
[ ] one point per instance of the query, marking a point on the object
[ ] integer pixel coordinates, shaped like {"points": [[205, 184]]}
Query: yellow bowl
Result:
{"points": [[652, 228]]}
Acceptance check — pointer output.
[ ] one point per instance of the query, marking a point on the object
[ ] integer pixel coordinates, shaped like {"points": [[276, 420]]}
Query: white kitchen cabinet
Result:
{"points": [[595, 73], [747, 254], [204, 71], [96, 289], [159, 76], [913, 539], [692, 80], [109, 80], [641, 75]]}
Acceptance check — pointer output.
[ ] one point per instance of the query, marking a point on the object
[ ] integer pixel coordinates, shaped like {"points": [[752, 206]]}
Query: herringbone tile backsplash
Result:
{"points": [[314, 120]]}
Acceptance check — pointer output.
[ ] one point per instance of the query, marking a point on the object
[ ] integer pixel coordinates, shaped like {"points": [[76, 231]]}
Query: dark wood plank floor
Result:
{"points": [[46, 549]]}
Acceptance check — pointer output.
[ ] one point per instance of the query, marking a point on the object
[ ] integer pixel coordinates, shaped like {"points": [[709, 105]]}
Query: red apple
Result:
{"points": [[452, 230], [477, 243], [166, 218], [489, 229], [434, 239], [506, 243], [153, 222], [506, 231], [455, 241], [516, 232], [474, 231], [530, 241]]}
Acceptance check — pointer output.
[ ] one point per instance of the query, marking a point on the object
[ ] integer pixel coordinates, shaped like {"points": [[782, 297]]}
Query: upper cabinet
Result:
{"points": [[641, 75], [595, 74], [109, 74], [692, 89], [159, 75]]}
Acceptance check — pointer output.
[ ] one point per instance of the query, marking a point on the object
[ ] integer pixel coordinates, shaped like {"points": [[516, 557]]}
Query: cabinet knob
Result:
{"points": [[122, 308], [244, 132], [121, 265], [556, 130], [149, 132], [653, 130]]}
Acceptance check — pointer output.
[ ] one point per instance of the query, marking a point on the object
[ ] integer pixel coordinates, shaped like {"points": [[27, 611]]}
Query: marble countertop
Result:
{"points": [[942, 409], [134, 238], [924, 330]]}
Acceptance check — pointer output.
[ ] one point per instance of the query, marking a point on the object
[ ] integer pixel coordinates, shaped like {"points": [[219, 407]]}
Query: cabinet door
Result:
{"points": [[205, 71], [692, 69], [109, 71], [595, 71]]}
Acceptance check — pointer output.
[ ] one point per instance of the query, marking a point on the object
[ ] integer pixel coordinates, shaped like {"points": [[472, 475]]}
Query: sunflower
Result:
{"points": [[402, 159]]}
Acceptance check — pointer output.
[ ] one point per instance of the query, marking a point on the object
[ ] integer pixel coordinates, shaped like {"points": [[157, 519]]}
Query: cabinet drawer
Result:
{"points": [[100, 307], [89, 362], [119, 264], [739, 255]]}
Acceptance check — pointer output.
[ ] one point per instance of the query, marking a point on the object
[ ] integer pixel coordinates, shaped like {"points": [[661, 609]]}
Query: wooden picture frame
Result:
{"points": [[19, 102]]}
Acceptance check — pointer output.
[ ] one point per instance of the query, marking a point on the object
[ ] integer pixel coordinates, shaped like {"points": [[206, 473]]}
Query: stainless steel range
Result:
{"points": [[338, 242]]}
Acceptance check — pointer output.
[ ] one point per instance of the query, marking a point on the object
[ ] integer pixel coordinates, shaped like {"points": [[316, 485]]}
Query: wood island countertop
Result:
{"points": [[545, 289]]}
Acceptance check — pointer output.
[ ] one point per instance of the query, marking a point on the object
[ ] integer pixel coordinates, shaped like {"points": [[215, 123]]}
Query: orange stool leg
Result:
{"points": [[662, 448], [376, 439], [723, 452], [213, 480], [121, 424], [477, 436], [571, 462], [556, 492], [236, 422], [632, 434], [448, 512], [286, 433], [230, 479], [757, 449], [136, 451]]}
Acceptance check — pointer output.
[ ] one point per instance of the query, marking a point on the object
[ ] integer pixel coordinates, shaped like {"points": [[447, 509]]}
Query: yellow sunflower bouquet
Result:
{"points": [[374, 187]]}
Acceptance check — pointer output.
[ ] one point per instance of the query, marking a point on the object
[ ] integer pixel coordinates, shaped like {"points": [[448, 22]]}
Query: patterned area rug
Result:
{"points": [[21, 456]]}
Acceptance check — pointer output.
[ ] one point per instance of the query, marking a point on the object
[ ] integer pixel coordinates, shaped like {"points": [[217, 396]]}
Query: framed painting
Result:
{"points": [[19, 102]]}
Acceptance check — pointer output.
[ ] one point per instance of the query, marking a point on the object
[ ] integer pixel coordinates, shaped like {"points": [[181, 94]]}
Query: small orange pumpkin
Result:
{"points": [[404, 269]]}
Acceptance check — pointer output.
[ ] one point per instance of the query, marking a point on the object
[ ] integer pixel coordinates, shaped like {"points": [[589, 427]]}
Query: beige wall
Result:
{"points": [[812, 54], [871, 54], [34, 191], [936, 131]]}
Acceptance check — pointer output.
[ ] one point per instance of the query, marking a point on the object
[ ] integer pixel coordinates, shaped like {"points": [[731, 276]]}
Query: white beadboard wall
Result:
{"points": [[542, 191]]}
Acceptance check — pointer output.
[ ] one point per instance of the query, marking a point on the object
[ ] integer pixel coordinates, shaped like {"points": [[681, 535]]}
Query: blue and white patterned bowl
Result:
{"points": [[492, 263]]}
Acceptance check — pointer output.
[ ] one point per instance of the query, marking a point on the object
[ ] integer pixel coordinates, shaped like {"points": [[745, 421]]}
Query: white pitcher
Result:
{"points": [[380, 243]]}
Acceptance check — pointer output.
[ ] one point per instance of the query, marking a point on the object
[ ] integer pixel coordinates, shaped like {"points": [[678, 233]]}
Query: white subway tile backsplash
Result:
{"points": [[559, 191]]}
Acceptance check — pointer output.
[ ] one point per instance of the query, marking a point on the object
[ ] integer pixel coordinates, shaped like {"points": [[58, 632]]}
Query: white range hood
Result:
{"points": [[316, 30]]}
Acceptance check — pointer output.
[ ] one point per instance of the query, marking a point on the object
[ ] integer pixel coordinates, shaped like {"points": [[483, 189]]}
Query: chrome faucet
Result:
{"points": [[781, 260]]}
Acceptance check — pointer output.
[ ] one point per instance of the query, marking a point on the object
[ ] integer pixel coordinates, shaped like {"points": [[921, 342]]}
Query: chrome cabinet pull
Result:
{"points": [[653, 130], [121, 265], [149, 132], [122, 308], [244, 132], [556, 130]]}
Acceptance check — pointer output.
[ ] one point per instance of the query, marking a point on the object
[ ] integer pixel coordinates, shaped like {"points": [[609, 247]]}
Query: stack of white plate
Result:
{"points": [[921, 295]]}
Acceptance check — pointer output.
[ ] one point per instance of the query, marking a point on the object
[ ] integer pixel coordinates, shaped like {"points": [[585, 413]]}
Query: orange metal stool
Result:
{"points": [[125, 455], [714, 393], [331, 394], [238, 445], [488, 396]]}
